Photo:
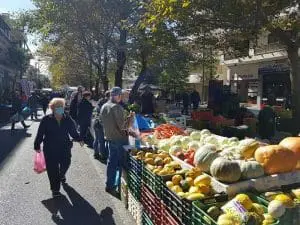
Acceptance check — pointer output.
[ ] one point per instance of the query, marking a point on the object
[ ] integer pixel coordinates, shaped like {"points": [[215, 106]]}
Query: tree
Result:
{"points": [[243, 19]]}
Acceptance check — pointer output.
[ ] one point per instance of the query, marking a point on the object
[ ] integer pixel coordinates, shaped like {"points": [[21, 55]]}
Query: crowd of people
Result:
{"points": [[106, 119]]}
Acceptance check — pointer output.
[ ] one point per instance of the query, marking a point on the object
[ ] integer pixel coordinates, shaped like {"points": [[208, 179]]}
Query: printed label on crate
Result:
{"points": [[234, 208]]}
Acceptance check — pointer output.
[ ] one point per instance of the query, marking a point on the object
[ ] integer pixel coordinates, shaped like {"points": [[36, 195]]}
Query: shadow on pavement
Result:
{"points": [[10, 140], [77, 211]]}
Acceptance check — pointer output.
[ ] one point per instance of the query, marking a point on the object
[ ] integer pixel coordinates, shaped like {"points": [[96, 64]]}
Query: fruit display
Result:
{"points": [[276, 159], [193, 185], [242, 209]]}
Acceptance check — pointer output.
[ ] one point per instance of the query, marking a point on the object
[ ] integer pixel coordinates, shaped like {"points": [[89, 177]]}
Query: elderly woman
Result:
{"points": [[54, 132]]}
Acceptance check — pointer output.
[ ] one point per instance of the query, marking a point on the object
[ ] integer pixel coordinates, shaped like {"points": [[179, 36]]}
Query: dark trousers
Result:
{"points": [[84, 133], [45, 109], [34, 113], [185, 109], [195, 105], [99, 142], [57, 167]]}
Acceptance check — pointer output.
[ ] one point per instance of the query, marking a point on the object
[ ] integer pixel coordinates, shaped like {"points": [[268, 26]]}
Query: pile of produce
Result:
{"points": [[159, 162], [167, 130], [289, 199], [241, 210], [193, 185]]}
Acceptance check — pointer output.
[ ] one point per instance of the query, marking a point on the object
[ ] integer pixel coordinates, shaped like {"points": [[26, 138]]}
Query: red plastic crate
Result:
{"points": [[167, 217], [152, 205], [202, 115]]}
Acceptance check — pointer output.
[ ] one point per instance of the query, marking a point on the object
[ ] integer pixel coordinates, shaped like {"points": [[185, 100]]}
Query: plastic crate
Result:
{"points": [[135, 166], [168, 218], [152, 205], [135, 208], [181, 208], [134, 185], [146, 220], [200, 216], [292, 215], [154, 182]]}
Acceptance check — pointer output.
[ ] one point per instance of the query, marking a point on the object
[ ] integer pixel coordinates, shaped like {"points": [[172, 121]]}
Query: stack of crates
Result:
{"points": [[134, 177], [135, 208]]}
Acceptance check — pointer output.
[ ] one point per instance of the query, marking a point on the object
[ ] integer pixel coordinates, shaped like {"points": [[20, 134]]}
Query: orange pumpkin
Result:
{"points": [[276, 159], [292, 143]]}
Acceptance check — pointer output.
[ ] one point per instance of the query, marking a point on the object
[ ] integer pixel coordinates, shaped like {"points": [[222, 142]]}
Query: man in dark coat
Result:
{"points": [[195, 99], [33, 104], [75, 104], [147, 102], [85, 112]]}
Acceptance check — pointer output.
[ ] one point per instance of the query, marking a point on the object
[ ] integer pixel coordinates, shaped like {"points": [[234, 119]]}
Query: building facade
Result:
{"points": [[263, 73]]}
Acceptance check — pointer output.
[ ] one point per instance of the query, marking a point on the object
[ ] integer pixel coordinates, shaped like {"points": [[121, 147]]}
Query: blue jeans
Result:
{"points": [[114, 164], [99, 143]]}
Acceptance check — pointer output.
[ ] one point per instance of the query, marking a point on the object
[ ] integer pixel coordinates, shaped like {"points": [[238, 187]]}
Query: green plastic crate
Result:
{"points": [[152, 181], [146, 220], [200, 217], [134, 185]]}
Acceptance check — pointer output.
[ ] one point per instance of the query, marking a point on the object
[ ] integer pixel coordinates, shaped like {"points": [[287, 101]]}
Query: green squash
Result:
{"points": [[204, 156], [251, 169], [225, 170]]}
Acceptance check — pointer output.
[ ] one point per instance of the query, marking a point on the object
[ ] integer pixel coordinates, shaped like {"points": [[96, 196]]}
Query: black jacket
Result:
{"points": [[85, 111], [17, 105], [56, 136]]}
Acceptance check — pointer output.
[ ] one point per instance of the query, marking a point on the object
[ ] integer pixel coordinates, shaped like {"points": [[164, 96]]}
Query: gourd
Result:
{"points": [[276, 159], [247, 147], [225, 170], [204, 156], [251, 169], [276, 209], [292, 143]]}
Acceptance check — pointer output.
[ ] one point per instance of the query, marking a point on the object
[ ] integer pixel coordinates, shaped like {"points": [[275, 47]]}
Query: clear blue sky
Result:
{"points": [[15, 5]]}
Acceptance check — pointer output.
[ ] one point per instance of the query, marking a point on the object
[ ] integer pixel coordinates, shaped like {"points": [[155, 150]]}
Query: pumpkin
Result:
{"points": [[276, 159], [204, 156], [251, 169], [292, 143], [225, 170], [247, 147], [276, 209]]}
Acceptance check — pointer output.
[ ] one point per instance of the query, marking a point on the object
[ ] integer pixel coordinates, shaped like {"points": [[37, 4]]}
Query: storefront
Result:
{"points": [[257, 82]]}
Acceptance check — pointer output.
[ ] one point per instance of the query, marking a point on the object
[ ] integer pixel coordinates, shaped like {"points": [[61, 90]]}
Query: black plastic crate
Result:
{"points": [[135, 166]]}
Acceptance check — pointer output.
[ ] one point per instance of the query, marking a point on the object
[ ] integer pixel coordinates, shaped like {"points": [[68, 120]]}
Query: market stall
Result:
{"points": [[193, 177]]}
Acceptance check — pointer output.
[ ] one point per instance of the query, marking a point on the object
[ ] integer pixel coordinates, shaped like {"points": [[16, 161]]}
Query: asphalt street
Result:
{"points": [[25, 197]]}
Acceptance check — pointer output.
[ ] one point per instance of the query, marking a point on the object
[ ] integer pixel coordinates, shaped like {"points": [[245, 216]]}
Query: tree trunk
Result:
{"points": [[91, 76], [294, 59], [121, 58]]}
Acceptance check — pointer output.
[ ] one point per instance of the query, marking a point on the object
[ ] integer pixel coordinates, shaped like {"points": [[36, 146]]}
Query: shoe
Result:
{"points": [[56, 194], [63, 180], [97, 156], [113, 192]]}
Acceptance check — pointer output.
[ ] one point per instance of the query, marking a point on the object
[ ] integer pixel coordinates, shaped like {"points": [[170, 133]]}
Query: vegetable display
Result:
{"points": [[167, 131]]}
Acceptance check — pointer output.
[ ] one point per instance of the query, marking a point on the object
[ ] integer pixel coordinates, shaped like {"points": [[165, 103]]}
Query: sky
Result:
{"points": [[19, 5]]}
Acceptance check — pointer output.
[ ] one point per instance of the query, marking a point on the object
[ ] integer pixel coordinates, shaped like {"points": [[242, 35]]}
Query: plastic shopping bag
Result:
{"points": [[39, 162]]}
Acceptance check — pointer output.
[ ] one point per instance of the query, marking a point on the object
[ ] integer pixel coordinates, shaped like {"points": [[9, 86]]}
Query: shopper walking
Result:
{"points": [[112, 117], [33, 105], [100, 147], [85, 112], [54, 132], [76, 99], [44, 102], [17, 111]]}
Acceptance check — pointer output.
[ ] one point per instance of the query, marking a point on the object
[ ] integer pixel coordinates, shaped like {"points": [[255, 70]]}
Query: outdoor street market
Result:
{"points": [[161, 112]]}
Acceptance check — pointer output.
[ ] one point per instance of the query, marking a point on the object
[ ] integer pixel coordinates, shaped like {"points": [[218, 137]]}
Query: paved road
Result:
{"points": [[25, 197]]}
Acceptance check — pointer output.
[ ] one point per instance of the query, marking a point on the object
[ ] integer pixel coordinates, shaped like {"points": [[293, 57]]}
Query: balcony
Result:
{"points": [[270, 48]]}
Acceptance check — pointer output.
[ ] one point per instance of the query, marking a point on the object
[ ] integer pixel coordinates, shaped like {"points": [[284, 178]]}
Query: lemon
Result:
{"points": [[169, 184]]}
